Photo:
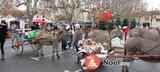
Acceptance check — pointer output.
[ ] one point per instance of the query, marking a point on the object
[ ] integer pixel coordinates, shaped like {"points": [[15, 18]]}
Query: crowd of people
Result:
{"points": [[72, 34]]}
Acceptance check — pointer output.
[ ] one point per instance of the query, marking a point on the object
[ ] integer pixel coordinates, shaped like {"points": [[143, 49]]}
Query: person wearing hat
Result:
{"points": [[78, 35], [3, 32]]}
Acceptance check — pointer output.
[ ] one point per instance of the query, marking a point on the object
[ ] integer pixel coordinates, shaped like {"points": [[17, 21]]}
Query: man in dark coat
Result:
{"points": [[3, 32]]}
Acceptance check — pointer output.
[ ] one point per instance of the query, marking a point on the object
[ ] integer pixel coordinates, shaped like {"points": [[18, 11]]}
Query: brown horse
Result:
{"points": [[49, 38]]}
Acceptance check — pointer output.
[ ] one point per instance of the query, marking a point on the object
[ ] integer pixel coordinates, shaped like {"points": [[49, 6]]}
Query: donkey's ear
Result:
{"points": [[119, 30]]}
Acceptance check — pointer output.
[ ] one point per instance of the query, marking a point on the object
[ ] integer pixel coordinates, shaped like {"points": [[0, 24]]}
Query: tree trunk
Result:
{"points": [[30, 21], [31, 10]]}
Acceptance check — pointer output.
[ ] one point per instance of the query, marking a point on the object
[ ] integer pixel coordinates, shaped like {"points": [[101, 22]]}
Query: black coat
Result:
{"points": [[3, 31]]}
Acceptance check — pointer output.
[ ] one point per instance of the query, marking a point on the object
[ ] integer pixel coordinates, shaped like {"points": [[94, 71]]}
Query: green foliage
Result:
{"points": [[102, 24], [125, 23], [105, 25], [118, 22], [133, 23], [110, 27]]}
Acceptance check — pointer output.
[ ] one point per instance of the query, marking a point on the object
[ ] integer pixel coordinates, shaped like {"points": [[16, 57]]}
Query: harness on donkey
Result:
{"points": [[50, 38], [137, 49], [146, 52]]}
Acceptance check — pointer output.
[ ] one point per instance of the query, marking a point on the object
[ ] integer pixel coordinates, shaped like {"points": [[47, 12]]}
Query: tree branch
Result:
{"points": [[24, 3]]}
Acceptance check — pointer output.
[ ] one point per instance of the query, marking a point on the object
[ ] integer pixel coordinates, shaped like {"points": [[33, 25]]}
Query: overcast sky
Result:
{"points": [[153, 4]]}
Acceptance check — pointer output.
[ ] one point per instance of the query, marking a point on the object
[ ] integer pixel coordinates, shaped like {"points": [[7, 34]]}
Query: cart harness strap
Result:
{"points": [[146, 52], [158, 30], [154, 46]]}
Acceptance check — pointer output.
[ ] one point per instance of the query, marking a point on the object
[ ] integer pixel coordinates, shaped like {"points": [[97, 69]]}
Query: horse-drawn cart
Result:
{"points": [[19, 39], [93, 56]]}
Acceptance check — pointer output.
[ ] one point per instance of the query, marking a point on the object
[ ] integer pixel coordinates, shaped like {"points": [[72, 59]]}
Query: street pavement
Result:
{"points": [[28, 63]]}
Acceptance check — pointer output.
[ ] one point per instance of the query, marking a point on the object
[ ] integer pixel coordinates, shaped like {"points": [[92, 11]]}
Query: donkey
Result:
{"points": [[49, 38], [151, 34], [141, 46], [104, 36]]}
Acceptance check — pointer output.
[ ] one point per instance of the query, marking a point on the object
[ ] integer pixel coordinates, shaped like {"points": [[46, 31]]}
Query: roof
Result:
{"points": [[152, 12], [41, 21]]}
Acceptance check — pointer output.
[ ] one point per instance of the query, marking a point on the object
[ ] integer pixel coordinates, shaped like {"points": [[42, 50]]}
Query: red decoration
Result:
{"points": [[39, 21], [107, 15], [92, 62], [125, 29], [17, 45]]}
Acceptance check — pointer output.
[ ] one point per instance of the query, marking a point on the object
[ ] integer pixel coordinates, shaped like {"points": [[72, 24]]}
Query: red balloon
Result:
{"points": [[92, 62], [107, 15]]}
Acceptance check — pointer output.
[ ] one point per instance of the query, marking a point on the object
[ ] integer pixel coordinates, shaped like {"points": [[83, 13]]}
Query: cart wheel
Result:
{"points": [[34, 45], [17, 46], [80, 56]]}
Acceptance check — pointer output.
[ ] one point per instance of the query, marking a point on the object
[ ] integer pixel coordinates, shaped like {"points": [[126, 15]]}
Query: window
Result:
{"points": [[146, 18]]}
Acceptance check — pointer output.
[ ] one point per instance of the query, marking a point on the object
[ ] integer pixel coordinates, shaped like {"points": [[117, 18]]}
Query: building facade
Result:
{"points": [[152, 17]]}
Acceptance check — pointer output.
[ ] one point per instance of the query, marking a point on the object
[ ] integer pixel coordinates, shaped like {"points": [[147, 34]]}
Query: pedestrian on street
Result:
{"points": [[71, 31], [64, 40], [78, 35], [3, 32], [72, 25], [85, 30]]}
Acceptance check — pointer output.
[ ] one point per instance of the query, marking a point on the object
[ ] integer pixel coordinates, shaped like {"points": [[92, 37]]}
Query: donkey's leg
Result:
{"points": [[53, 51], [56, 50], [57, 46], [37, 48], [40, 49]]}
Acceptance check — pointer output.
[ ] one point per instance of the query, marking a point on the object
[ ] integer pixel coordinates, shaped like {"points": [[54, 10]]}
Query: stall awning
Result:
{"points": [[38, 21]]}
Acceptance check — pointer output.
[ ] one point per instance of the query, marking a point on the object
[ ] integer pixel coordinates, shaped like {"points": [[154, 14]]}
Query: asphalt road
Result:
{"points": [[27, 62]]}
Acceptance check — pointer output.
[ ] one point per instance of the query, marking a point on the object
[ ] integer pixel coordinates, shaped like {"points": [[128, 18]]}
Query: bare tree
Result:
{"points": [[31, 8], [127, 8], [72, 9], [65, 8], [5, 8]]}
